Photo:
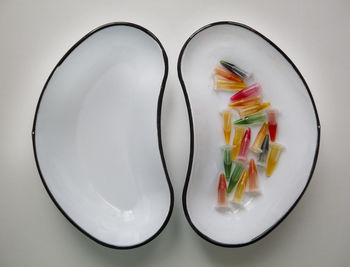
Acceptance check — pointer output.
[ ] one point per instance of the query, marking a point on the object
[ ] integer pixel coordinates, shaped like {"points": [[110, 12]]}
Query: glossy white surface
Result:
{"points": [[297, 131], [96, 136]]}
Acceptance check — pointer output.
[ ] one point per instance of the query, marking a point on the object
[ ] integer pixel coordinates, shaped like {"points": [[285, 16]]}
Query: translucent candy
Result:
{"points": [[251, 91], [256, 147], [234, 69], [253, 177], [246, 102], [242, 155], [222, 190], [237, 141], [253, 109], [252, 119], [241, 188], [236, 174], [264, 152], [273, 157], [272, 120], [227, 161], [221, 84], [227, 74], [227, 115]]}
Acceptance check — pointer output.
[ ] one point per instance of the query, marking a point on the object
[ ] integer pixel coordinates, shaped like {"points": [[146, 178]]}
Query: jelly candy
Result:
{"points": [[227, 74], [228, 85], [242, 155], [250, 91], [253, 177], [234, 69], [273, 157], [264, 151], [236, 174], [259, 139], [227, 161], [226, 114], [237, 141], [272, 120], [253, 109], [241, 188], [246, 102], [252, 119], [222, 189]]}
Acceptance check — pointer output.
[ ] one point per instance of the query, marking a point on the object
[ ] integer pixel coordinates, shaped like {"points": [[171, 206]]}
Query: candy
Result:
{"points": [[242, 155], [241, 188], [259, 139], [272, 120], [222, 189], [228, 85], [253, 109], [236, 174], [226, 114], [273, 157], [253, 177], [251, 91], [234, 69], [237, 140], [264, 151], [227, 161], [246, 102], [227, 74], [252, 119]]}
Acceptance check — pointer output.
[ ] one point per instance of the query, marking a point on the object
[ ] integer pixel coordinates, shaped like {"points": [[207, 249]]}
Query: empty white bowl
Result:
{"points": [[97, 140], [298, 131]]}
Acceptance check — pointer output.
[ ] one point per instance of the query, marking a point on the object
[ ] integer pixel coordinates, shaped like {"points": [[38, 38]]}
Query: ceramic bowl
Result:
{"points": [[97, 140], [298, 130]]}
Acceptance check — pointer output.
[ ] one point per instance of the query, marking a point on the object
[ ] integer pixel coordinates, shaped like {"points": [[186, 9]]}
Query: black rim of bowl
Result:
{"points": [[189, 111], [160, 146]]}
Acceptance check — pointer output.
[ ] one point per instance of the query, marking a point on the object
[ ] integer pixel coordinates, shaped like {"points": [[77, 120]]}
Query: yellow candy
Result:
{"points": [[256, 147], [272, 158], [253, 109], [222, 84], [241, 188], [246, 102], [237, 140], [226, 114]]}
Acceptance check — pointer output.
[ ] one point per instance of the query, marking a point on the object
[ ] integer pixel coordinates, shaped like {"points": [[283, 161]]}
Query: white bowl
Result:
{"points": [[97, 140], [298, 131]]}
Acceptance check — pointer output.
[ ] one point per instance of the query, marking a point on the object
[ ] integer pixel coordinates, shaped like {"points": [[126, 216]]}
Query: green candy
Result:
{"points": [[227, 161], [236, 174], [252, 119]]}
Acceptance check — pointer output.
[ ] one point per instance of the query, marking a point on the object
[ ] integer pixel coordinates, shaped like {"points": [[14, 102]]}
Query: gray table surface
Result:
{"points": [[35, 35]]}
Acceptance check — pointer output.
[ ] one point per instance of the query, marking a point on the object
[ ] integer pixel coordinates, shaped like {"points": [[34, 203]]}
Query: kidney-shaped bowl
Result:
{"points": [[298, 131], [96, 136]]}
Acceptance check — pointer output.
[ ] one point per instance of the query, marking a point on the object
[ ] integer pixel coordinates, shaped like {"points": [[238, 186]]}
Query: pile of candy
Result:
{"points": [[249, 104]]}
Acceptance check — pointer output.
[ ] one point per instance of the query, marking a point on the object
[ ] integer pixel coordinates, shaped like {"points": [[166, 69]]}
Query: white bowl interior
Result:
{"points": [[96, 136], [297, 131]]}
